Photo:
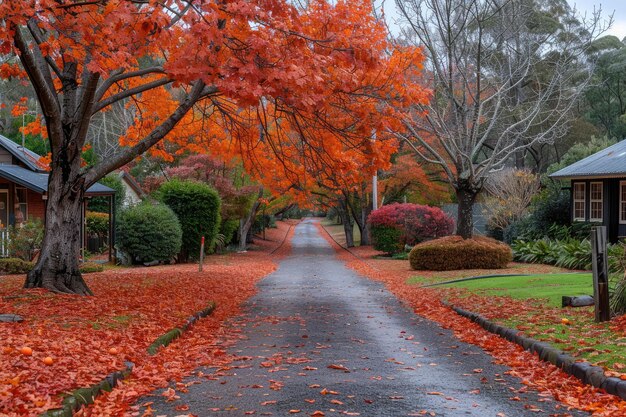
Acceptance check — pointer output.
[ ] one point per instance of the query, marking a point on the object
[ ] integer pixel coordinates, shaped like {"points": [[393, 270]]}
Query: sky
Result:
{"points": [[608, 7]]}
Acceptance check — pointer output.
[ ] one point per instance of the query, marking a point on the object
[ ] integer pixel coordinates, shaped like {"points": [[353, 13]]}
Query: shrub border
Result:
{"points": [[86, 396], [584, 371]]}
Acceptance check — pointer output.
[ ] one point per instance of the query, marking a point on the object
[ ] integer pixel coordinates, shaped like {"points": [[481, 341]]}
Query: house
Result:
{"points": [[598, 189], [23, 188], [133, 194]]}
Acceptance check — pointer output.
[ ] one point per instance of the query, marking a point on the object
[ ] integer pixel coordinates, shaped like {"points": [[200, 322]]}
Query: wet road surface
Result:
{"points": [[321, 340]]}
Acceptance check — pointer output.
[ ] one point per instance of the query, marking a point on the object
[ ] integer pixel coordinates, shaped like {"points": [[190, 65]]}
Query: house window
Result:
{"points": [[21, 205], [579, 201], [595, 201], [622, 201]]}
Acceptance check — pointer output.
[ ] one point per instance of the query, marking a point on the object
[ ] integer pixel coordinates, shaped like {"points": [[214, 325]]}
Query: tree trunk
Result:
{"points": [[246, 223], [348, 228], [57, 268], [466, 196], [360, 219]]}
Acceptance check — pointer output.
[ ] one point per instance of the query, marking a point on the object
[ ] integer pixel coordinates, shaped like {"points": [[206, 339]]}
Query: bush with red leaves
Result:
{"points": [[395, 225]]}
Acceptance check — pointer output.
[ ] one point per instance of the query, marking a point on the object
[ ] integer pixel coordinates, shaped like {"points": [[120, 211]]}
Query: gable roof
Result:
{"points": [[38, 181], [609, 162], [132, 183], [26, 156]]}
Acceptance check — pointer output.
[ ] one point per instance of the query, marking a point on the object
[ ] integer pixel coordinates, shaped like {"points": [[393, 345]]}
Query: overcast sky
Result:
{"points": [[608, 7]]}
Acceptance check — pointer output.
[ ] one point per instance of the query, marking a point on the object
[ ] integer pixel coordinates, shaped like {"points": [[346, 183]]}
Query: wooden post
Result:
{"points": [[600, 273], [201, 255]]}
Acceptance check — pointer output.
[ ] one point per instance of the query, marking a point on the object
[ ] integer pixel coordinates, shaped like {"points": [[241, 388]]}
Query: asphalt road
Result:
{"points": [[320, 338]]}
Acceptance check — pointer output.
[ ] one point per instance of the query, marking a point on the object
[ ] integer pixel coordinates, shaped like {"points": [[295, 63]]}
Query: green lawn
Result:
{"points": [[549, 286]]}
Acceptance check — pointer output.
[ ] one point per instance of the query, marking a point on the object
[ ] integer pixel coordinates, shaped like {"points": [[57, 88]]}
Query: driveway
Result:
{"points": [[318, 340]]}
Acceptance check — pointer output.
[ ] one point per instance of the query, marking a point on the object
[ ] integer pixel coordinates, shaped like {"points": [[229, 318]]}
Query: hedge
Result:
{"points": [[149, 232], [198, 209], [453, 253]]}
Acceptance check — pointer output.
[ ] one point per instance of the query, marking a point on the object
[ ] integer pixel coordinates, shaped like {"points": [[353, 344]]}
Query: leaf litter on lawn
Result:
{"points": [[90, 337]]}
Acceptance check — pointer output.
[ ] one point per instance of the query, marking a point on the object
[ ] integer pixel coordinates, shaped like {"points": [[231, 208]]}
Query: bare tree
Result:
{"points": [[505, 75]]}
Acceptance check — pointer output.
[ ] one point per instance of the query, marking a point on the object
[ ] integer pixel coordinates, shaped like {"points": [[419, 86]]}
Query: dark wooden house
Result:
{"points": [[598, 189]]}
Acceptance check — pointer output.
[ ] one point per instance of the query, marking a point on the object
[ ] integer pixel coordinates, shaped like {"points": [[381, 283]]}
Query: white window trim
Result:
{"points": [[601, 201], [621, 185], [574, 201]]}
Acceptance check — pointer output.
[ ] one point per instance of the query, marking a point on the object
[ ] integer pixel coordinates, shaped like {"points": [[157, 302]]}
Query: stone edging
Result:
{"points": [[587, 373], [86, 396], [176, 332]]}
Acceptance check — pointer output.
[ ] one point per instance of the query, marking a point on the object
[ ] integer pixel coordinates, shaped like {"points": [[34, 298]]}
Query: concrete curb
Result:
{"points": [[86, 396], [168, 337], [584, 371]]}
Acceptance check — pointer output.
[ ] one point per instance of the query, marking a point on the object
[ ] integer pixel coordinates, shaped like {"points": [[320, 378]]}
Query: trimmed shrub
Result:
{"points": [[395, 225], [26, 239], [97, 224], [387, 239], [454, 252], [10, 266], [149, 232], [198, 209]]}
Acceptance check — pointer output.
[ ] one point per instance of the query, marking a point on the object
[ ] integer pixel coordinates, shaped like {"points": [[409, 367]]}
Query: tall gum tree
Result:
{"points": [[174, 63], [504, 75]]}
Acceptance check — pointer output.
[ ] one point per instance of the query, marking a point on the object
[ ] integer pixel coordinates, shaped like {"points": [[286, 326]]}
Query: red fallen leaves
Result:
{"points": [[533, 372], [90, 337], [338, 367]]}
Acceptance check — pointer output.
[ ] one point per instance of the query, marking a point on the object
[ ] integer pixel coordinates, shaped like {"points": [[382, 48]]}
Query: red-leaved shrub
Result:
{"points": [[396, 225]]}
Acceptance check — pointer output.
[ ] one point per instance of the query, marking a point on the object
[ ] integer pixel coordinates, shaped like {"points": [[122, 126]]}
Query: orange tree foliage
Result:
{"points": [[137, 306], [291, 88]]}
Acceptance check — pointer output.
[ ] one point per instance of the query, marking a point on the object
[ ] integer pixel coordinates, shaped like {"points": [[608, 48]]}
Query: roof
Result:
{"points": [[609, 162], [26, 156], [132, 183], [38, 181]]}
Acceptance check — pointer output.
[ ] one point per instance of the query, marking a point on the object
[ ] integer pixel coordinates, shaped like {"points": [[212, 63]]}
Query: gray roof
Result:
{"points": [[26, 156], [38, 181], [609, 162]]}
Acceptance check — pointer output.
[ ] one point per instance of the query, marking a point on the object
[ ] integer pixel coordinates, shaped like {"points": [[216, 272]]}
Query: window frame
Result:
{"points": [[24, 203], [583, 200], [622, 202], [592, 200]]}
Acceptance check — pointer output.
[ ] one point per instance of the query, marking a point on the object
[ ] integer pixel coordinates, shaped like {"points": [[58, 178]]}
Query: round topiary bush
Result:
{"points": [[149, 232], [453, 252], [198, 209], [395, 225]]}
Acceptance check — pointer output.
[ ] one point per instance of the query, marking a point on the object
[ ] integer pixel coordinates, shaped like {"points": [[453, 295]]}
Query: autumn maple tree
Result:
{"points": [[186, 70]]}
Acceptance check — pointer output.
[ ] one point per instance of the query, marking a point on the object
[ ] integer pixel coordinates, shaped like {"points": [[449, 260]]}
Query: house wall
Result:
{"points": [[36, 205], [610, 216], [131, 198]]}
